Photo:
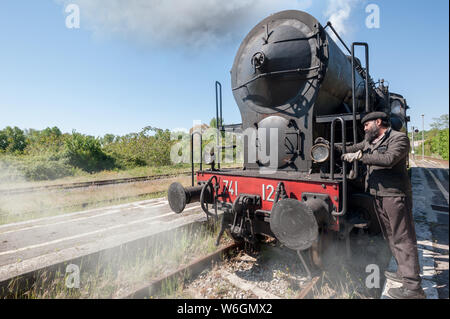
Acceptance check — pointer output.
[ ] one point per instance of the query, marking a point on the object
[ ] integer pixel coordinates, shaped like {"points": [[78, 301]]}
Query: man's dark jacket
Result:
{"points": [[386, 164]]}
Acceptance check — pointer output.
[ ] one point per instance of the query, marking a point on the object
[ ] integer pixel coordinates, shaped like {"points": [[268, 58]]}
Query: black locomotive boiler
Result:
{"points": [[298, 95]]}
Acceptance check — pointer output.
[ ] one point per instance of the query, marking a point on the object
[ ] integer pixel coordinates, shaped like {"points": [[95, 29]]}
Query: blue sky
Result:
{"points": [[116, 76]]}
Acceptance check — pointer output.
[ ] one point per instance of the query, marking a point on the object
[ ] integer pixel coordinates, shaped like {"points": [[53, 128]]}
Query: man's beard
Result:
{"points": [[371, 134]]}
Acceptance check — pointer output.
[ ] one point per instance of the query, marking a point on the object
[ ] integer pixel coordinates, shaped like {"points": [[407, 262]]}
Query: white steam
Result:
{"points": [[338, 12], [192, 23]]}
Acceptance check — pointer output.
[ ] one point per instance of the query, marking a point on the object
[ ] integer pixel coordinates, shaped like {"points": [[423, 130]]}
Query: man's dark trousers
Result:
{"points": [[395, 214]]}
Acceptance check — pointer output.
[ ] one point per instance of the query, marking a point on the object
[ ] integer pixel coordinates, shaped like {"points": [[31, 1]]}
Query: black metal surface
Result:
{"points": [[338, 36], [289, 67], [320, 205], [440, 208], [180, 196], [294, 224]]}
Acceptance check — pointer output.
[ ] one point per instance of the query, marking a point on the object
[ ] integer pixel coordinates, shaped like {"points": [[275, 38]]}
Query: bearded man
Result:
{"points": [[385, 152]]}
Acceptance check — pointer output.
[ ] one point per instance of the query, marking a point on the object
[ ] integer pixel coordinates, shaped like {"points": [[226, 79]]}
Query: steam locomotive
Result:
{"points": [[299, 96]]}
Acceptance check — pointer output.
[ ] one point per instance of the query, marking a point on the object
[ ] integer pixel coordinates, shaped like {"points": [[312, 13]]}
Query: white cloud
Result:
{"points": [[194, 23]]}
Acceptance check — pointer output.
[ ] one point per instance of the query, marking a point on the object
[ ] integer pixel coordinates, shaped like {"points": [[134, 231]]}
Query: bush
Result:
{"points": [[12, 140], [85, 152], [47, 170], [36, 168], [49, 153], [45, 141], [141, 149], [436, 145], [440, 144]]}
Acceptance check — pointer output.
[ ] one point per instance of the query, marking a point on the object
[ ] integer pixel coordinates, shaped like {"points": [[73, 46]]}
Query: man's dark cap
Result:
{"points": [[373, 116]]}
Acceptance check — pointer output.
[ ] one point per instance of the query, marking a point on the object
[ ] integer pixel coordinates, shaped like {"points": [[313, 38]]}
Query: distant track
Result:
{"points": [[105, 182], [88, 184]]}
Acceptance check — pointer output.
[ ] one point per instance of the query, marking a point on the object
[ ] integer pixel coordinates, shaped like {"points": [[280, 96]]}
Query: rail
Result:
{"points": [[23, 190]]}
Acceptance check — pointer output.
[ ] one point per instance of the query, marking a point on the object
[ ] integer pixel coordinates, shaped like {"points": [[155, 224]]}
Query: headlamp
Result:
{"points": [[320, 152]]}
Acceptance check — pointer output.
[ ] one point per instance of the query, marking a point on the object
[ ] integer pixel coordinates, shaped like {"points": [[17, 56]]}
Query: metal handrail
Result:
{"points": [[344, 166], [354, 172], [218, 100], [192, 153], [337, 35]]}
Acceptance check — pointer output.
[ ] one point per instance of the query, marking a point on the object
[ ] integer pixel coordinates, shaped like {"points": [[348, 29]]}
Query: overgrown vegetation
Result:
{"points": [[49, 154]]}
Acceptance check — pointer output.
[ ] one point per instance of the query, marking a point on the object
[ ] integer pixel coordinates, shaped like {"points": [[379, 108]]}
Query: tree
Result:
{"points": [[85, 152], [108, 139], [12, 140], [440, 123], [49, 140], [437, 139], [213, 121]]}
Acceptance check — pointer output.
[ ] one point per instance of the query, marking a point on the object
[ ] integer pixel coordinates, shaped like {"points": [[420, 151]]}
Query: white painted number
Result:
{"points": [[230, 187], [270, 188]]}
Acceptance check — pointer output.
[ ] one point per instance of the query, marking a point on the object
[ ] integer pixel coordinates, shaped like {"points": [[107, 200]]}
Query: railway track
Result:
{"points": [[97, 183], [271, 272], [186, 275]]}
